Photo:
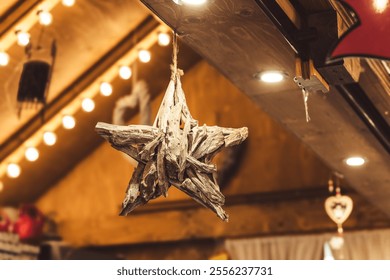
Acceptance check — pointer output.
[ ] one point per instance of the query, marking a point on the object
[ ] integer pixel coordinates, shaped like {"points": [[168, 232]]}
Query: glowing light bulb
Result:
{"points": [[163, 39], [355, 161], [4, 59], [68, 3], [271, 76], [125, 72], [144, 56], [68, 122], [106, 89], [31, 154], [23, 38], [13, 170], [88, 105], [45, 18], [50, 138], [380, 5], [190, 2]]}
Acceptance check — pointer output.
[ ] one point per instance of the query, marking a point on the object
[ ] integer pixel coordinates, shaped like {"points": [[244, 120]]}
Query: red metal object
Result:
{"points": [[370, 37]]}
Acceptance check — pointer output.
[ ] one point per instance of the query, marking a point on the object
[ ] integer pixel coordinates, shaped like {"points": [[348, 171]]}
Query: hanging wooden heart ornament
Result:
{"points": [[338, 208]]}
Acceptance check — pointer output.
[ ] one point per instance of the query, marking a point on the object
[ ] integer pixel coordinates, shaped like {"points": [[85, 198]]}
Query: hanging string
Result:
{"points": [[174, 68], [305, 95]]}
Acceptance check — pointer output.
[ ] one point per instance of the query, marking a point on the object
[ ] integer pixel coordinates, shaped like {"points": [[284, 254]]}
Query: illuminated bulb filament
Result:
{"points": [[144, 56], [13, 170], [88, 105], [125, 72], [106, 89], [68, 122], [23, 38], [45, 18], [163, 39], [31, 154], [50, 138], [68, 3], [380, 5], [4, 59]]}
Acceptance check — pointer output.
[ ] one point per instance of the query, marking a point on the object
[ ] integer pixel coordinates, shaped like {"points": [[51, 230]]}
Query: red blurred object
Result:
{"points": [[5, 222], [30, 222], [370, 36]]}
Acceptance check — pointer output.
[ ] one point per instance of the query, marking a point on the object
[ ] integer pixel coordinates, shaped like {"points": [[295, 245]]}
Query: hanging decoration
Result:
{"points": [[338, 207], [308, 80], [35, 79], [174, 151]]}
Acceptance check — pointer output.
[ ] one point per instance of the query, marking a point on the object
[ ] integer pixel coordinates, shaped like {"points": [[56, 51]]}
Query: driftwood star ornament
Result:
{"points": [[175, 151]]}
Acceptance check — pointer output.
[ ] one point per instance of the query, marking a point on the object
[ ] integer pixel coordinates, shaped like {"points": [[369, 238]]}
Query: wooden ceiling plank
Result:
{"points": [[260, 218], [252, 43]]}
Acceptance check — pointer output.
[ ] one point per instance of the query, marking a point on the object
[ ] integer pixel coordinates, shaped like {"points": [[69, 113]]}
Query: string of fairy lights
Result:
{"points": [[85, 100]]}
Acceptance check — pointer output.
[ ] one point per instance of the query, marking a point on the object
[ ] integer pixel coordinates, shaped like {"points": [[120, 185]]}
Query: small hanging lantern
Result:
{"points": [[35, 78]]}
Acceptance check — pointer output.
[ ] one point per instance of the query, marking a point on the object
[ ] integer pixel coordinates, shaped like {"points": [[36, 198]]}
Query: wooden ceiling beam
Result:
{"points": [[52, 109], [249, 216], [23, 16]]}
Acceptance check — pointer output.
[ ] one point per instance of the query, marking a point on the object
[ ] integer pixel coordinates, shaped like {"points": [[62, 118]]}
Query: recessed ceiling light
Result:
{"points": [[190, 2], [355, 161], [380, 5], [271, 76], [68, 3]]}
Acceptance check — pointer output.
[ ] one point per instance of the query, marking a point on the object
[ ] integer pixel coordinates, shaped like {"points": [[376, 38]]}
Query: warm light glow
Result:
{"points": [[13, 170], [271, 76], [144, 56], [380, 5], [125, 72], [45, 18], [4, 59], [106, 89], [50, 138], [355, 161], [163, 39], [68, 3], [1, 186], [31, 154], [23, 38], [336, 242], [191, 2], [68, 122], [88, 105]]}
